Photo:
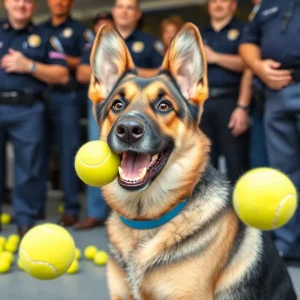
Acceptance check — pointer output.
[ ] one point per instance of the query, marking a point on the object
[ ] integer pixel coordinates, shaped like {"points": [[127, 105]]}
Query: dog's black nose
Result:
{"points": [[130, 130]]}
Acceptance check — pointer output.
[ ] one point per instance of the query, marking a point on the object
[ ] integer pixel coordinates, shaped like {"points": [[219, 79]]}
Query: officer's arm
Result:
{"points": [[72, 62], [249, 48], [230, 62], [251, 55], [245, 95], [83, 74], [51, 74]]}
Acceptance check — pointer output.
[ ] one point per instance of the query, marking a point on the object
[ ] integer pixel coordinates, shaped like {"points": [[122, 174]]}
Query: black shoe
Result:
{"points": [[41, 216], [291, 261]]}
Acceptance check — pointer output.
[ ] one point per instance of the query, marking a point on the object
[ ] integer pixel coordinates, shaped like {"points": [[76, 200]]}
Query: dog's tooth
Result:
{"points": [[121, 172], [154, 158], [143, 173]]}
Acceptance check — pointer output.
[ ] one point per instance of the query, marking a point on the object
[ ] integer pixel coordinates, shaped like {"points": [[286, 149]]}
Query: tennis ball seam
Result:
{"points": [[277, 213], [95, 166], [40, 262], [55, 232]]}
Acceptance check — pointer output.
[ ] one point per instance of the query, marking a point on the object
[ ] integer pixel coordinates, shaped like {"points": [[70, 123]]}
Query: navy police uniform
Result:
{"points": [[65, 106], [224, 87], [275, 29], [22, 117], [146, 52]]}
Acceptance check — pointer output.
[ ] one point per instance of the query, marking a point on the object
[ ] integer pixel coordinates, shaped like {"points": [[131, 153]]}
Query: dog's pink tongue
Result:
{"points": [[133, 164]]}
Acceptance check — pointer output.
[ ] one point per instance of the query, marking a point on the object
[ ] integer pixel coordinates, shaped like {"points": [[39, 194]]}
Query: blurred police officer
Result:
{"points": [[169, 28], [97, 209], [25, 52], [147, 53], [257, 146], [225, 117], [65, 102], [271, 44]]}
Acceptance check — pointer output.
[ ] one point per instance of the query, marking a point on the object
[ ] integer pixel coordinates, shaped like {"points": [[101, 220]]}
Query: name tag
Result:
{"points": [[270, 11]]}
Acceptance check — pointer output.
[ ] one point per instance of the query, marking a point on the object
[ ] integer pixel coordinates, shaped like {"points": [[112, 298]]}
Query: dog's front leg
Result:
{"points": [[117, 283]]}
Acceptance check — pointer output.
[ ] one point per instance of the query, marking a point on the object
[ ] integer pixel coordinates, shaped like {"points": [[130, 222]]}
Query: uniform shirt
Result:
{"points": [[265, 30], [146, 52], [35, 44], [85, 60], [72, 34], [225, 41]]}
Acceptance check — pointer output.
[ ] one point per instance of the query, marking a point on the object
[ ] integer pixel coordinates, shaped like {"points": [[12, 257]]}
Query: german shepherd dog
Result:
{"points": [[203, 252]]}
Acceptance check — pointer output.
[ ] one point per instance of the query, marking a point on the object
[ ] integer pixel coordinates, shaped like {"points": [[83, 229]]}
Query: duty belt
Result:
{"points": [[20, 98], [216, 92]]}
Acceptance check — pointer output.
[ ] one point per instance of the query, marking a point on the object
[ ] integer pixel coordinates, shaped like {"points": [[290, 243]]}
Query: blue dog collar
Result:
{"points": [[150, 224]]}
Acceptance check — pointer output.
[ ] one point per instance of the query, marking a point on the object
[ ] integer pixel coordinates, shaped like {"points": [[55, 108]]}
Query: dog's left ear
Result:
{"points": [[110, 58], [186, 61]]}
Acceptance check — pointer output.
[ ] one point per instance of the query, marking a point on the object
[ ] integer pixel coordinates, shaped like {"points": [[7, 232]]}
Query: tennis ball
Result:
{"points": [[90, 252], [77, 254], [5, 219], [11, 247], [20, 264], [47, 251], [2, 240], [4, 266], [61, 208], [265, 198], [7, 256], [100, 258], [95, 164], [74, 267], [14, 239]]}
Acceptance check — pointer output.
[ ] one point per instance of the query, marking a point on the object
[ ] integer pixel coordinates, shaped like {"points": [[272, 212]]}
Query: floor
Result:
{"points": [[88, 283]]}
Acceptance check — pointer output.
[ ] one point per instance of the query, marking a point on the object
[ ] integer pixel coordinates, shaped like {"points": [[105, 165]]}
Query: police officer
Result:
{"points": [[225, 117], [257, 148], [25, 52], [97, 209], [65, 102], [270, 47], [146, 52]]}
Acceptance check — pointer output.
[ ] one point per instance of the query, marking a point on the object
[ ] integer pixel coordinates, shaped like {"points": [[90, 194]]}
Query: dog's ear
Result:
{"points": [[186, 61], [109, 59]]}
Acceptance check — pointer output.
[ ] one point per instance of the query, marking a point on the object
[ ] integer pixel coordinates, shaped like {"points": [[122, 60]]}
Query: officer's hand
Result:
{"points": [[211, 55], [275, 79], [239, 121], [15, 62]]}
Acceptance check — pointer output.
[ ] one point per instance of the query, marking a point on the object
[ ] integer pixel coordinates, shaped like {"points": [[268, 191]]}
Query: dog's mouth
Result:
{"points": [[139, 169]]}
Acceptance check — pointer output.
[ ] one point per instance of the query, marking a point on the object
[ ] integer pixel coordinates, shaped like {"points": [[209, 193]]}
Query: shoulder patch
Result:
{"points": [[138, 47], [34, 40], [159, 47], [233, 34], [56, 44], [89, 35]]}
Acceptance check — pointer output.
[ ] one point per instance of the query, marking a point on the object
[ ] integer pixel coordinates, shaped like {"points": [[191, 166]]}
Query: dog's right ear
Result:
{"points": [[110, 58], [186, 61]]}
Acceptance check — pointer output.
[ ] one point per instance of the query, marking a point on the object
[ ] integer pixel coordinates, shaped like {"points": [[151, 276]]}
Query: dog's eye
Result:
{"points": [[164, 106], [117, 105]]}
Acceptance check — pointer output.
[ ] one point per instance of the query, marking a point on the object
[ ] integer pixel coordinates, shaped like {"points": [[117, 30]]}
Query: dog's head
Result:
{"points": [[151, 122]]}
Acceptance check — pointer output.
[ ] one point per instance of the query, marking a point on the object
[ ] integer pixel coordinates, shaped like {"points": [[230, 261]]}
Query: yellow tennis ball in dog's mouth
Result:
{"points": [[47, 251], [265, 198], [95, 164]]}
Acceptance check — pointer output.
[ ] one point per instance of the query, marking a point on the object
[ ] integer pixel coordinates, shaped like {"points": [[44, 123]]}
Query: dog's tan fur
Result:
{"points": [[190, 257]]}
